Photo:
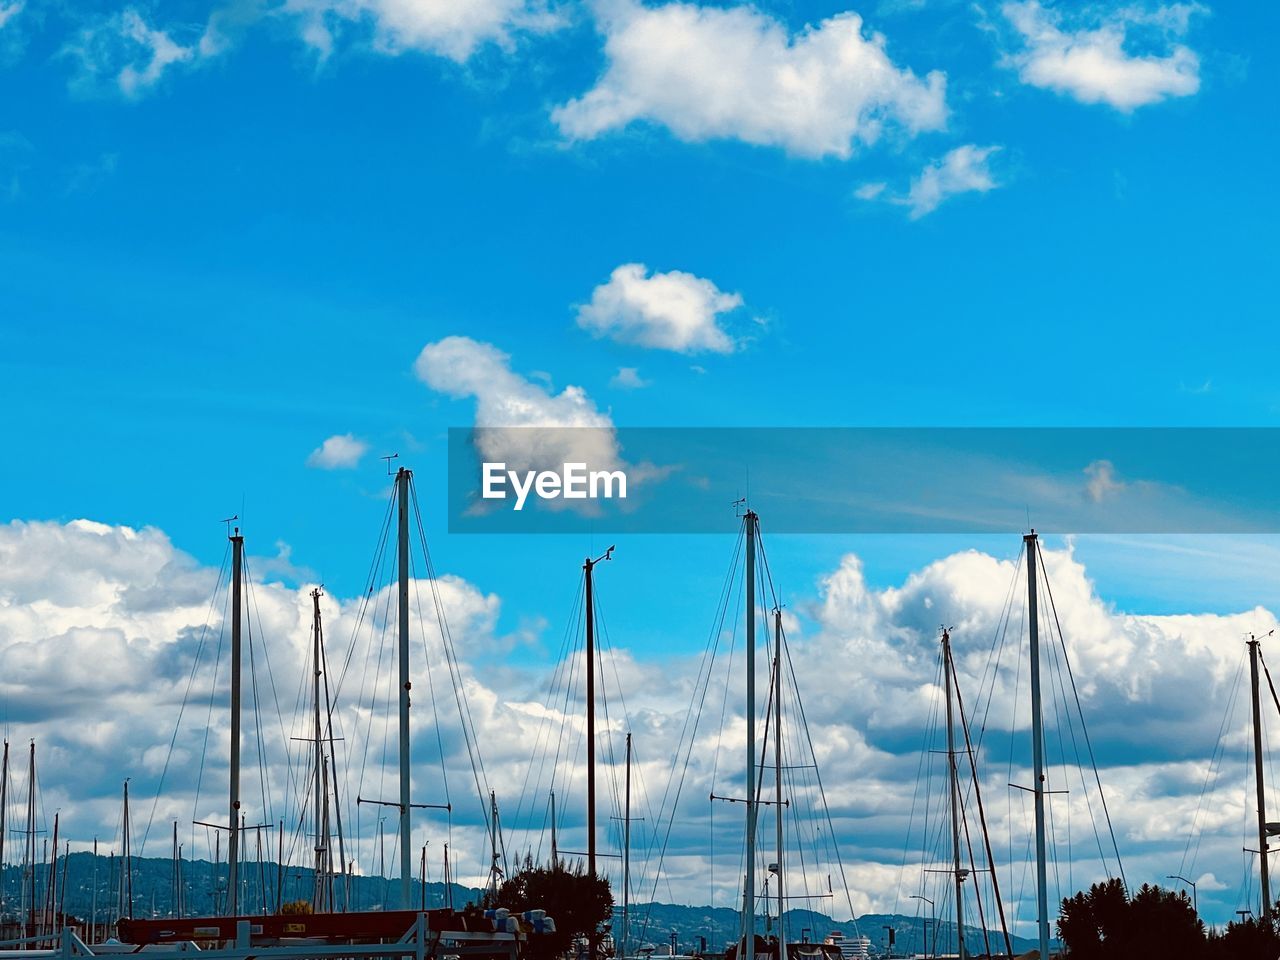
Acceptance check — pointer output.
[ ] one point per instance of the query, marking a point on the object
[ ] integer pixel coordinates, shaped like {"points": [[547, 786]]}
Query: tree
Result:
{"points": [[1250, 939], [578, 903], [1107, 923]]}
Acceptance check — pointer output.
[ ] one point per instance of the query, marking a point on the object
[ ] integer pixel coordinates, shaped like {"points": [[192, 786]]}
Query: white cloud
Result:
{"points": [[125, 54], [1126, 57], [462, 367], [448, 28], [628, 378], [674, 311], [710, 73], [341, 451], [966, 169]]}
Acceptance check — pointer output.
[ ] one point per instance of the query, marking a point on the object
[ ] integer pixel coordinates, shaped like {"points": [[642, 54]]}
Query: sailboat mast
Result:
{"points": [[626, 858], [1265, 878], [126, 859], [494, 870], [589, 608], [320, 784], [233, 818], [954, 778], [749, 886], [402, 497], [555, 855], [777, 771], [29, 853], [1037, 746], [4, 809]]}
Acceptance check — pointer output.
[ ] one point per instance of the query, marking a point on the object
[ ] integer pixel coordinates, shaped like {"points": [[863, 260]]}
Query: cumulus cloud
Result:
{"points": [[736, 73], [1127, 57], [449, 29], [966, 169], [674, 311], [339, 452], [113, 620], [124, 54]]}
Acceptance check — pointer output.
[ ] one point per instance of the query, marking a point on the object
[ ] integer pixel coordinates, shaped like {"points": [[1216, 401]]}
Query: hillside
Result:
{"points": [[203, 886]]}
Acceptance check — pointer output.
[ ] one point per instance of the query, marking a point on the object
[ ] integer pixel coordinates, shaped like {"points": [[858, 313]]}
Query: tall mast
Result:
{"points": [[589, 607], [126, 858], [626, 858], [749, 886], [494, 870], [233, 818], [402, 497], [1037, 745], [29, 853], [51, 886], [555, 855], [1265, 887], [4, 809], [777, 769], [320, 780], [954, 778], [174, 900]]}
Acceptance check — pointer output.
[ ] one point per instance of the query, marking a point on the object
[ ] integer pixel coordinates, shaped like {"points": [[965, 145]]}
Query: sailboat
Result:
{"points": [[465, 933], [751, 944]]}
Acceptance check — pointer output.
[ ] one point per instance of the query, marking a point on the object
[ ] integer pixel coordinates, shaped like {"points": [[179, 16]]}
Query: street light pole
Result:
{"points": [[1192, 884], [934, 919]]}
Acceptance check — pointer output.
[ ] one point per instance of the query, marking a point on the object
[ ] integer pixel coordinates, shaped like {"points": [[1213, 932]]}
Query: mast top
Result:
{"points": [[1029, 537]]}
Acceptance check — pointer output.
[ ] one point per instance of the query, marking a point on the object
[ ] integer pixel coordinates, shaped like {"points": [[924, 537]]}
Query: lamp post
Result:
{"points": [[1192, 884], [933, 917]]}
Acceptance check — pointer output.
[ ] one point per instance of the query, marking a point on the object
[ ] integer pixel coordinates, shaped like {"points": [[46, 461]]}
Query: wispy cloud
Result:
{"points": [[455, 30], [628, 378], [340, 452], [123, 54], [966, 169]]}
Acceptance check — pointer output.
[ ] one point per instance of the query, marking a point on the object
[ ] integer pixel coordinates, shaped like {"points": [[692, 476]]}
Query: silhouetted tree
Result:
{"points": [[1107, 924], [1250, 939]]}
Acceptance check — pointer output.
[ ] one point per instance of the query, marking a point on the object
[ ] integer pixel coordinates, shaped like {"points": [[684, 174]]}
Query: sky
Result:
{"points": [[250, 248]]}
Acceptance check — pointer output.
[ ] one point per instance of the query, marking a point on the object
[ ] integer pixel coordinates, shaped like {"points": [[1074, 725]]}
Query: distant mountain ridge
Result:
{"points": [[653, 923]]}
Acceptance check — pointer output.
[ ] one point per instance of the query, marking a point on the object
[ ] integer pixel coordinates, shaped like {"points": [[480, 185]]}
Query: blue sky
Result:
{"points": [[228, 232], [209, 274]]}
